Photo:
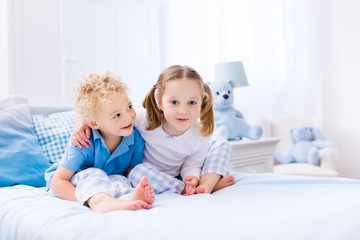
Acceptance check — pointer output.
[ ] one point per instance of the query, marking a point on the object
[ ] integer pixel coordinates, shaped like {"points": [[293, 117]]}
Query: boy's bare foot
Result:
{"points": [[224, 182], [103, 202], [190, 185], [143, 192], [142, 198]]}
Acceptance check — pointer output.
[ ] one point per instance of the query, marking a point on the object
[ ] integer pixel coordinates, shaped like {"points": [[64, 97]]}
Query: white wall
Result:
{"points": [[336, 42], [36, 59], [337, 39], [4, 49], [55, 43], [341, 98]]}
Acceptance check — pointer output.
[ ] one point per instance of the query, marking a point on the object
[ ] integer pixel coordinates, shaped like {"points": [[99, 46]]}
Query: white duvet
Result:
{"points": [[258, 206]]}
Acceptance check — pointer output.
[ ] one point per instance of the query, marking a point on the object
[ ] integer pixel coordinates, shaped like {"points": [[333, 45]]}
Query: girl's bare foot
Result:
{"points": [[190, 185], [224, 182], [201, 189], [103, 202], [143, 192]]}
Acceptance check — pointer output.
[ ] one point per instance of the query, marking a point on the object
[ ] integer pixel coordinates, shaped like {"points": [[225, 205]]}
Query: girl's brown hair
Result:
{"points": [[155, 115]]}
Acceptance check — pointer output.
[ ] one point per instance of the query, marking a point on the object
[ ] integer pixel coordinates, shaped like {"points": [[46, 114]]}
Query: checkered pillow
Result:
{"points": [[53, 132]]}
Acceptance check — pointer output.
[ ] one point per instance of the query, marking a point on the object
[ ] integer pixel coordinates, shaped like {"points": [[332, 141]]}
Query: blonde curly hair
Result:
{"points": [[96, 91]]}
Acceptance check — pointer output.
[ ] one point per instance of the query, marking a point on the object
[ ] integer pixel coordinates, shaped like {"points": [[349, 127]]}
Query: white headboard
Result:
{"points": [[49, 109]]}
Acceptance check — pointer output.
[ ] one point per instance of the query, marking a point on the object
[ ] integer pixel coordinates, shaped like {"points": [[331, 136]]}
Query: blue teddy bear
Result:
{"points": [[307, 141], [229, 122]]}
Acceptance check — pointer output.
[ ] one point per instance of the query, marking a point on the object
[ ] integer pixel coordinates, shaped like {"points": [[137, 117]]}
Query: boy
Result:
{"points": [[96, 176]]}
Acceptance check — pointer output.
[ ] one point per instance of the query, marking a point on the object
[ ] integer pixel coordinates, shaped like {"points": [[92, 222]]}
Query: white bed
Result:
{"points": [[258, 206]]}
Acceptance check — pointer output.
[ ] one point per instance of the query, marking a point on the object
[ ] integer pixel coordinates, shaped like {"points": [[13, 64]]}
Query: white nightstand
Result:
{"points": [[253, 156]]}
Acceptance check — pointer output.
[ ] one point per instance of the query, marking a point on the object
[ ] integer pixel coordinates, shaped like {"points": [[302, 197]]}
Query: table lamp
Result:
{"points": [[231, 71]]}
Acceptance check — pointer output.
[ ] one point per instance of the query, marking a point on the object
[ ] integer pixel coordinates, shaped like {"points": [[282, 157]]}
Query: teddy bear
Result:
{"points": [[229, 122], [307, 141]]}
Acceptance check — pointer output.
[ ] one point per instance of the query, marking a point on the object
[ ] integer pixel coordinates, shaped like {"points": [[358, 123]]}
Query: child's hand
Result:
{"points": [[80, 137], [190, 185]]}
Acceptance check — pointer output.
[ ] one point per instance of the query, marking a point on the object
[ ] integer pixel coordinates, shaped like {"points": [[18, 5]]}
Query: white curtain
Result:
{"points": [[271, 37]]}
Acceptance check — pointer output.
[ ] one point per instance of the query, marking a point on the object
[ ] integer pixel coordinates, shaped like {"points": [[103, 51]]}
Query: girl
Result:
{"points": [[176, 142]]}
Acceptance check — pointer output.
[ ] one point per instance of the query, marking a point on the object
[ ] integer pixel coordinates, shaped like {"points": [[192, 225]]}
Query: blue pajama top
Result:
{"points": [[128, 154]]}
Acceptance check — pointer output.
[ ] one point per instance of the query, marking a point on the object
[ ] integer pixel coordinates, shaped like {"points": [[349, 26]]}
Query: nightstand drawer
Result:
{"points": [[253, 156]]}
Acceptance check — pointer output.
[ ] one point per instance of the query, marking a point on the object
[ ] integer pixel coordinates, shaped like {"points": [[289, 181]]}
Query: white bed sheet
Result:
{"points": [[258, 206]]}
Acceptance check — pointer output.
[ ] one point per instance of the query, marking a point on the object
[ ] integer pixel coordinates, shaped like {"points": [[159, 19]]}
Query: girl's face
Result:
{"points": [[181, 104]]}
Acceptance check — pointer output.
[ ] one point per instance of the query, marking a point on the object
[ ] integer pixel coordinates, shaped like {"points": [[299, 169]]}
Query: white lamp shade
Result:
{"points": [[231, 71]]}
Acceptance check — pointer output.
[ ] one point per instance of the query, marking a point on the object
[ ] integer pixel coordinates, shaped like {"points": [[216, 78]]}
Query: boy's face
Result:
{"points": [[116, 118]]}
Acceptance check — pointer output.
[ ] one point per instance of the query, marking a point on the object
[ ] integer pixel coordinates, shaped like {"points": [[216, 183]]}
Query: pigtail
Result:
{"points": [[207, 113], [154, 114]]}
